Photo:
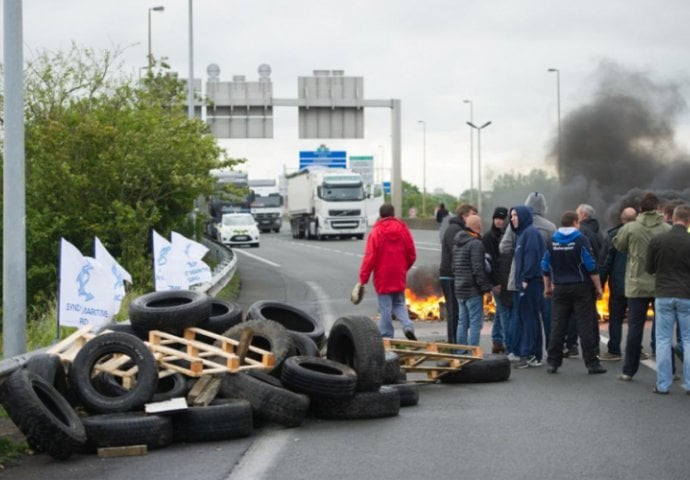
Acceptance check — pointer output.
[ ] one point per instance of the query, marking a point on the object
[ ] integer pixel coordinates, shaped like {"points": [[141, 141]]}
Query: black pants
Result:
{"points": [[448, 287], [575, 299]]}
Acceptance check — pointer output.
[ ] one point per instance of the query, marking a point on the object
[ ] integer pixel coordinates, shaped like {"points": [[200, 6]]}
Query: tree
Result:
{"points": [[512, 189]]}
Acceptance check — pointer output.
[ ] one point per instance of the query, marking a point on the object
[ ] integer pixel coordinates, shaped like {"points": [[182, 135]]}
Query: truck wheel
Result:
{"points": [[276, 230], [360, 236]]}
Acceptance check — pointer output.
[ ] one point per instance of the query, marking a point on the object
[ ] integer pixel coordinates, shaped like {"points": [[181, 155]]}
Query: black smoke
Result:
{"points": [[620, 144], [423, 281]]}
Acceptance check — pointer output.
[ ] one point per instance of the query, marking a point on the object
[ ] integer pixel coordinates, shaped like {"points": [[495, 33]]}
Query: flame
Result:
{"points": [[425, 308], [603, 305]]}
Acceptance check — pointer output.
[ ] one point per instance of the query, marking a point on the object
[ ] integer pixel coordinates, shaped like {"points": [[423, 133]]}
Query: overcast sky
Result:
{"points": [[430, 54]]}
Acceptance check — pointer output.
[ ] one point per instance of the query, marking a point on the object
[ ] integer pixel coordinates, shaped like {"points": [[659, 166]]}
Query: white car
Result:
{"points": [[238, 229]]}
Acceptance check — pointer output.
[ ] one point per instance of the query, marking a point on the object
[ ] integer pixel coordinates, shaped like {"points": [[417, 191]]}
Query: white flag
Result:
{"points": [[86, 289], [195, 270], [168, 265], [118, 274]]}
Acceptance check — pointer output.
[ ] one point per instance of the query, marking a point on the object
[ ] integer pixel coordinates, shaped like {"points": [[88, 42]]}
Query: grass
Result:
{"points": [[9, 449], [232, 289]]}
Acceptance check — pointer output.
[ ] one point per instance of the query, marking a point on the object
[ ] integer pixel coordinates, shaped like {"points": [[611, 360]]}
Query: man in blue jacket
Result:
{"points": [[572, 280]]}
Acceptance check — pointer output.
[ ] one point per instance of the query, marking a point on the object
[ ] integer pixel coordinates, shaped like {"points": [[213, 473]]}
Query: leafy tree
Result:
{"points": [[512, 188]]}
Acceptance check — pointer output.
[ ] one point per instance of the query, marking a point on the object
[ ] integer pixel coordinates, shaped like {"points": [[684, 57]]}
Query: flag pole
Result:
{"points": [[59, 284]]}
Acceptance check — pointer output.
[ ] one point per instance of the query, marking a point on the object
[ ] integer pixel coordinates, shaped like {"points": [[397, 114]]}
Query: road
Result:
{"points": [[569, 425]]}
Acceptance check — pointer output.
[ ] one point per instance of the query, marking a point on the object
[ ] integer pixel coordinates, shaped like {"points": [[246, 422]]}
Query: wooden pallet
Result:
{"points": [[419, 356], [67, 348]]}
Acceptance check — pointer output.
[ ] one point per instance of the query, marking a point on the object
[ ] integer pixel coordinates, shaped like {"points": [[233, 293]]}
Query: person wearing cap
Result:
{"points": [[500, 269]]}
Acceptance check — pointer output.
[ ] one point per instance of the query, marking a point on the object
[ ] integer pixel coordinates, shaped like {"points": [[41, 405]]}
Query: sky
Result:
{"points": [[431, 55]]}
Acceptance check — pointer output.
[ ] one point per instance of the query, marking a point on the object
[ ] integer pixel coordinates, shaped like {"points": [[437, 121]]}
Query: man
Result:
{"points": [[445, 271], [499, 278], [389, 254], [634, 238], [471, 280], [441, 213], [571, 278], [613, 270], [668, 258], [529, 249]]}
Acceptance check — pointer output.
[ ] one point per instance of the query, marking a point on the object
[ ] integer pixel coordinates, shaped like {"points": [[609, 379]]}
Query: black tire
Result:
{"points": [[171, 386], [102, 347], [318, 377], [214, 422], [49, 367], [132, 428], [356, 341], [269, 401], [391, 368], [268, 335], [304, 345], [384, 402], [409, 393], [290, 317], [493, 368], [224, 315], [49, 423], [127, 328], [170, 311]]}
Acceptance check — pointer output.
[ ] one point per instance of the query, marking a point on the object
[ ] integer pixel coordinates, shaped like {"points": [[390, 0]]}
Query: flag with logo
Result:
{"points": [[196, 271], [118, 274], [168, 265]]}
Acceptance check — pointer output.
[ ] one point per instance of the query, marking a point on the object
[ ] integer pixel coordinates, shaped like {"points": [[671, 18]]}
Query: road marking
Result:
{"points": [[429, 249], [323, 300], [256, 257], [261, 456], [604, 340]]}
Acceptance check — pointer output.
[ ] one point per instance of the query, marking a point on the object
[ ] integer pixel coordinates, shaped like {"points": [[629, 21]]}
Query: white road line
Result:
{"points": [[647, 363], [327, 315], [429, 249], [256, 257], [261, 456]]}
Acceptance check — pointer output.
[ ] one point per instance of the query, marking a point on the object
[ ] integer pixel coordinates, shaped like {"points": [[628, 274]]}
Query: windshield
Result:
{"points": [[234, 220], [342, 194], [267, 201]]}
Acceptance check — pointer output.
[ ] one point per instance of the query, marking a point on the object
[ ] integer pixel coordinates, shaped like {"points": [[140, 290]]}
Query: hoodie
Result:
{"points": [[469, 269], [389, 254], [455, 224], [569, 260], [529, 248]]}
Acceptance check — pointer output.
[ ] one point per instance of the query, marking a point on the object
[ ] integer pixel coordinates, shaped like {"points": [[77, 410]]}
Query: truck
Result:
{"points": [[267, 204], [326, 202], [231, 195]]}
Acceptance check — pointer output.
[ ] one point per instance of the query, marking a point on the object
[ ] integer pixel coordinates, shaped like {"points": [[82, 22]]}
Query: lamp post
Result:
{"points": [[479, 162], [558, 103], [471, 150], [190, 78], [423, 167], [150, 56]]}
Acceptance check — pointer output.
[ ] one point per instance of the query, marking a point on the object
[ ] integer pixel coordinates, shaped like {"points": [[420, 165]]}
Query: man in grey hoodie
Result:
{"points": [[537, 203]]}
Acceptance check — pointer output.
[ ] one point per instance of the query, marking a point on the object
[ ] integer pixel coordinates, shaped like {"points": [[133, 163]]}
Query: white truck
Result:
{"points": [[267, 204], [326, 202]]}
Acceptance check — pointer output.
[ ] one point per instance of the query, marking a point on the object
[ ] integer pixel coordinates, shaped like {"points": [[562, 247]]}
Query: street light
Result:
{"points": [[479, 162], [471, 151], [423, 168], [190, 78], [558, 100], [150, 56]]}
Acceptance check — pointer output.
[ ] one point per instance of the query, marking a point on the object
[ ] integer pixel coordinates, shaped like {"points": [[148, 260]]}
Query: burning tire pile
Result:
{"points": [[80, 406]]}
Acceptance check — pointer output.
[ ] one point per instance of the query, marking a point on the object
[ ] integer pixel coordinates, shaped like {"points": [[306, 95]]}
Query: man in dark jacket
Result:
{"points": [[572, 280], [612, 269], [471, 280], [499, 277], [445, 271]]}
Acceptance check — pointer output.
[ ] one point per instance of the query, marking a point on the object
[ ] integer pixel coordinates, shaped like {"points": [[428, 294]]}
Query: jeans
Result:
{"points": [[667, 312], [470, 320], [389, 304], [512, 326], [501, 320], [448, 288], [545, 311], [529, 312], [637, 316], [617, 306]]}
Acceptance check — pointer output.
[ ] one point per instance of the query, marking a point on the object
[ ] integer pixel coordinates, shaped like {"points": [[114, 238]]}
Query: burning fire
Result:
{"points": [[603, 305], [424, 308]]}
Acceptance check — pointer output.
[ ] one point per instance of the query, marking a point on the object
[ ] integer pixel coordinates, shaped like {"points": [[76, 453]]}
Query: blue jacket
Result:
{"points": [[569, 259], [529, 248]]}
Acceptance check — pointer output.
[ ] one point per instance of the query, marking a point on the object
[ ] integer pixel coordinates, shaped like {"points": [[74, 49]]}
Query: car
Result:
{"points": [[238, 229]]}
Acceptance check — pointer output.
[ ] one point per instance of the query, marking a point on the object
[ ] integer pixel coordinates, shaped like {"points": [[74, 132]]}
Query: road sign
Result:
{"points": [[364, 165], [387, 187], [323, 157]]}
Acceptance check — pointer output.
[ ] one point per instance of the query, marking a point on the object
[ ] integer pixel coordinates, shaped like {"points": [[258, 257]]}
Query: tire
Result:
{"points": [[304, 345], [172, 386], [214, 422], [224, 315], [391, 368], [289, 316], [493, 368], [49, 367], [269, 401], [409, 393], [132, 428], [268, 335], [384, 402], [127, 328], [169, 311], [102, 347], [318, 377], [356, 341], [359, 236], [49, 423]]}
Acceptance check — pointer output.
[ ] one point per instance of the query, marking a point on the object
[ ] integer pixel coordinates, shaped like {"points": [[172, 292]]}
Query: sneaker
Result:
{"points": [[498, 347], [513, 358], [610, 357], [551, 369], [522, 363], [571, 352], [533, 361], [645, 356], [596, 369], [625, 378], [660, 392], [410, 335]]}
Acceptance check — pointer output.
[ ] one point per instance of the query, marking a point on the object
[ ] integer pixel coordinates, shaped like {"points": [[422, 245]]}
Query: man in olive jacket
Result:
{"points": [[634, 238]]}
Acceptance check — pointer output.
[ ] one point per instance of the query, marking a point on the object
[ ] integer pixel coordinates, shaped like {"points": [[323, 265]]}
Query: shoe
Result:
{"points": [[533, 361], [571, 352], [513, 358], [410, 335], [645, 356], [677, 377], [610, 357], [522, 363], [551, 369], [660, 392], [498, 347], [596, 369], [625, 378]]}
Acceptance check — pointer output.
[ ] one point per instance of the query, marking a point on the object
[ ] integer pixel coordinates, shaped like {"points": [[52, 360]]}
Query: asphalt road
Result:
{"points": [[565, 426]]}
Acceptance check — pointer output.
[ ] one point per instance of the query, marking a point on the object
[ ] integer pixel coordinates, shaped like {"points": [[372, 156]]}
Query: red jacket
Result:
{"points": [[389, 254]]}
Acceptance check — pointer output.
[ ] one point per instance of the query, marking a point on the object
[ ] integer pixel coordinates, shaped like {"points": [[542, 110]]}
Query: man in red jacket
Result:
{"points": [[389, 254]]}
